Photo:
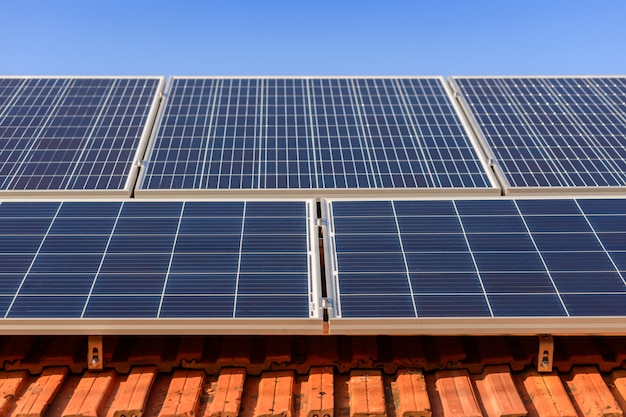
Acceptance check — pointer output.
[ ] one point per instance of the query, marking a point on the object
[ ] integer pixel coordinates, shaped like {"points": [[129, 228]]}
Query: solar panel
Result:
{"points": [[297, 136], [179, 267], [555, 132], [74, 134], [499, 266]]}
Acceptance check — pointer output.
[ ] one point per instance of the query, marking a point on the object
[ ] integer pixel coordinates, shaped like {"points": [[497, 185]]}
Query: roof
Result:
{"points": [[311, 376]]}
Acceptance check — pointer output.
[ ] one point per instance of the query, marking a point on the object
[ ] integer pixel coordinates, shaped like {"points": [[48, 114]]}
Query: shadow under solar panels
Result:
{"points": [[311, 137], [477, 266], [559, 134], [74, 135], [184, 267]]}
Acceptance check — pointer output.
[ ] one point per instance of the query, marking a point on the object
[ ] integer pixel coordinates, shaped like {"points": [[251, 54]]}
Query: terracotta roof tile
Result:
{"points": [[11, 384], [183, 394], [410, 395], [591, 395], [89, 396], [367, 395], [227, 392], [453, 394], [39, 394], [275, 394], [131, 395], [544, 394], [301, 376], [497, 392], [319, 393]]}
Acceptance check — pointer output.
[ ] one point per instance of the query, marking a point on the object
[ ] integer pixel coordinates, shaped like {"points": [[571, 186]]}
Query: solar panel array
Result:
{"points": [[73, 134], [395, 259], [230, 134], [556, 132], [478, 258], [201, 260]]}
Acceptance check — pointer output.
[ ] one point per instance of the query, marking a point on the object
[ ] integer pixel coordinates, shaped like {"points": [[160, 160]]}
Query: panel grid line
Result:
{"points": [[365, 139], [32, 262], [471, 253], [393, 150], [415, 137], [406, 264], [338, 146], [261, 134], [201, 167], [362, 93], [595, 234], [436, 108], [89, 136], [313, 134], [104, 254], [239, 256], [219, 87], [430, 158], [543, 261], [182, 160], [169, 265]]}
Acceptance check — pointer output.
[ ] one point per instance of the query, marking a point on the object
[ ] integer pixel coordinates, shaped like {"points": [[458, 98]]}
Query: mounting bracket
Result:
{"points": [[546, 353], [95, 354]]}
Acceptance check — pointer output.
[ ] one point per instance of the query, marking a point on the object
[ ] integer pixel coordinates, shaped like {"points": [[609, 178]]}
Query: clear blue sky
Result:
{"points": [[318, 37]]}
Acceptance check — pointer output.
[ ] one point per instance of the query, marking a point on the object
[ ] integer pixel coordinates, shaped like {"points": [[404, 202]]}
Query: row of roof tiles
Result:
{"points": [[311, 377], [145, 392]]}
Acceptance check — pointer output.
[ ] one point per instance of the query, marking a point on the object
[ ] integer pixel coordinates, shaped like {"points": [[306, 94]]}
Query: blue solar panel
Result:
{"points": [[73, 133], [158, 260], [551, 131], [477, 258], [310, 133]]}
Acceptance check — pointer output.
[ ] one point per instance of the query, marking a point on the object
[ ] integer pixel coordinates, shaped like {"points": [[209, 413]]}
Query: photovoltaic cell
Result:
{"points": [[551, 131], [73, 133], [157, 260], [310, 133], [477, 258]]}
